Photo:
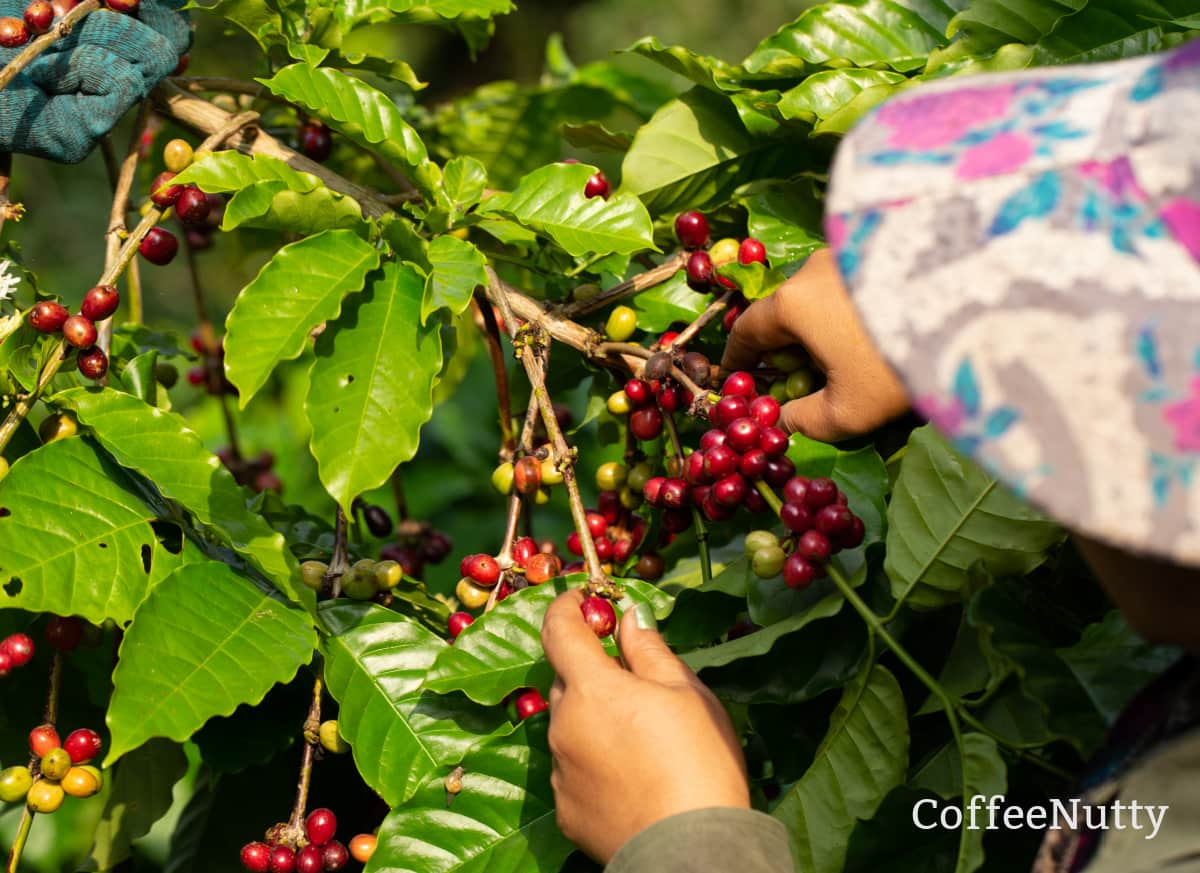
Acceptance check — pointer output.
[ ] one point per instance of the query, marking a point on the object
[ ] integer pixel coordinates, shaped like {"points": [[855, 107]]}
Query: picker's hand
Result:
{"points": [[812, 309], [631, 747], [73, 94]]}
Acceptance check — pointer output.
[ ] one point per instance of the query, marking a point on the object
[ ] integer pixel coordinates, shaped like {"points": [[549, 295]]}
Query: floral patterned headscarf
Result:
{"points": [[1025, 249]]}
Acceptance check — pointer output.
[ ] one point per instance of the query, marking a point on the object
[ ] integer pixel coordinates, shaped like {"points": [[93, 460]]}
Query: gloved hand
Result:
{"points": [[76, 91]]}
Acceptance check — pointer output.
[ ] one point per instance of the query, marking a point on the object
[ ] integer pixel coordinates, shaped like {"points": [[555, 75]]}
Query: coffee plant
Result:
{"points": [[882, 620]]}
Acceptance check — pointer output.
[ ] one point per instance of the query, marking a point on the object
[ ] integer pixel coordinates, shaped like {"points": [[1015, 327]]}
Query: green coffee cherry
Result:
{"points": [[312, 574], [622, 324], [502, 478], [800, 384], [15, 783], [760, 539], [768, 563], [639, 475], [56, 763]]}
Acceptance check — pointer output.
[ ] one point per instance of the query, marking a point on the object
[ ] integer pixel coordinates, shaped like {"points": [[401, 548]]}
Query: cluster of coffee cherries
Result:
{"points": [[256, 473], [693, 232], [820, 524], [210, 372], [617, 531], [532, 564], [365, 580], [16, 650], [79, 331], [317, 851], [314, 140], [40, 16], [199, 213], [60, 769], [530, 476]]}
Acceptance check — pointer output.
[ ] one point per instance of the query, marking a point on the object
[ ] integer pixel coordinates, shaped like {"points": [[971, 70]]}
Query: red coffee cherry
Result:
{"points": [[530, 702], [542, 568], [597, 186], [13, 33], [458, 622], [48, 316], [692, 230], [159, 246], [163, 194], [83, 745], [79, 332], [39, 15], [100, 302], [93, 363], [599, 615], [483, 570], [43, 739], [18, 647], [752, 252], [283, 860], [799, 572], [256, 857], [320, 826]]}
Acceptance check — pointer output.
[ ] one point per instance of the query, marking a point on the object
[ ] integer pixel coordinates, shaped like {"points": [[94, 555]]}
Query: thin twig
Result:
{"points": [[398, 494], [714, 309], [18, 846], [312, 728], [485, 320], [27, 55], [52, 694], [516, 503], [641, 282], [8, 209]]}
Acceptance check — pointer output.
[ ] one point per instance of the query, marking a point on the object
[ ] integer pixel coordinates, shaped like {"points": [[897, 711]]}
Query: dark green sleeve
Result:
{"points": [[707, 840]]}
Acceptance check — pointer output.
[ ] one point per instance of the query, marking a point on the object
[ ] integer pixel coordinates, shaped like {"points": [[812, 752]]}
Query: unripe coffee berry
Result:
{"points": [[331, 739], [470, 595], [542, 568], [621, 324], [15, 783], [45, 796], [177, 155], [55, 764], [362, 847]]}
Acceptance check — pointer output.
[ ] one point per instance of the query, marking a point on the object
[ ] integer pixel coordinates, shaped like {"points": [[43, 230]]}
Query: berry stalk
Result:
{"points": [[697, 516], [18, 846], [27, 55], [312, 734], [516, 502], [649, 279], [485, 320], [714, 309]]}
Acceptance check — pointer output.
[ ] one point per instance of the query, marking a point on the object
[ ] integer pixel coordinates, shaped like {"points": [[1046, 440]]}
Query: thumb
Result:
{"points": [[812, 416], [647, 656]]}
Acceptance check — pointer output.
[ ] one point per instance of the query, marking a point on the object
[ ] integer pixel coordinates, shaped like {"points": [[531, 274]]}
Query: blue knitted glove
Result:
{"points": [[75, 92]]}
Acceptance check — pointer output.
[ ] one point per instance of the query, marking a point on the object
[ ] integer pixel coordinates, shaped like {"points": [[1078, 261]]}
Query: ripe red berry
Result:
{"points": [[181, 67], [39, 15], [524, 549], [622, 549], [773, 441], [197, 376], [542, 568], [43, 740], [163, 193], [483, 570], [653, 490], [83, 745], [79, 332], [692, 230], [753, 464], [638, 392], [64, 633], [727, 410], [730, 491], [597, 186], [575, 543], [320, 826], [159, 246], [458, 622], [798, 572], [13, 33], [646, 424], [527, 475], [755, 502], [814, 545], [852, 537], [779, 470], [796, 517], [720, 462], [765, 410], [310, 859], [597, 524], [6, 664], [604, 548], [530, 702], [700, 271], [674, 494], [335, 855], [283, 860], [599, 615], [192, 206], [93, 363], [316, 141], [62, 7], [834, 520], [100, 302], [712, 438], [795, 490], [714, 511], [752, 252], [821, 492], [743, 435], [256, 857], [127, 6], [740, 384], [18, 647], [695, 469], [48, 316]]}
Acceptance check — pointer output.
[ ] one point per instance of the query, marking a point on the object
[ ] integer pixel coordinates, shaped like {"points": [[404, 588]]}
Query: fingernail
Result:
{"points": [[644, 616]]}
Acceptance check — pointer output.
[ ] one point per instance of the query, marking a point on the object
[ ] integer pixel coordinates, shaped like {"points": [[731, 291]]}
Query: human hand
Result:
{"points": [[813, 309], [73, 94], [631, 746]]}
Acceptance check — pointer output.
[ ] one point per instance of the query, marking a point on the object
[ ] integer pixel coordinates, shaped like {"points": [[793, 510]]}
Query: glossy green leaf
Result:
{"points": [[1108, 30], [161, 447], [985, 25], [300, 288], [376, 662], [761, 641], [898, 34], [787, 219], [502, 821], [229, 170], [730, 572], [551, 201], [695, 152], [382, 9], [863, 757], [822, 94], [360, 112], [203, 642], [671, 303], [464, 180], [271, 206], [712, 73], [597, 137], [947, 514], [142, 791], [755, 281], [371, 385], [70, 556], [502, 651], [458, 269]]}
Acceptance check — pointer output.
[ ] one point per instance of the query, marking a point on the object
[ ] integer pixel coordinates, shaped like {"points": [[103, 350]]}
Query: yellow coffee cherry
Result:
{"points": [[312, 574], [631, 499], [331, 740], [542, 497], [618, 403], [55, 764], [724, 252], [551, 475], [59, 426], [388, 574], [470, 595], [177, 155], [502, 478], [460, 232], [622, 324], [81, 781], [45, 796], [611, 476], [14, 784]]}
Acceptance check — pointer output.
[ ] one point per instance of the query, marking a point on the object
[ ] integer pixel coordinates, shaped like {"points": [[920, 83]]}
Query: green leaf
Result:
{"points": [[271, 206], [202, 643], [823, 94], [695, 152], [712, 73], [761, 641], [502, 651], [898, 34], [301, 287], [502, 821], [60, 553], [259, 18], [463, 180], [371, 385], [985, 25], [360, 112], [597, 137], [229, 170], [142, 792], [787, 219], [670, 303], [551, 201], [755, 281], [375, 664], [730, 571], [458, 269], [947, 514], [161, 447], [378, 10], [863, 757], [1108, 30]]}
